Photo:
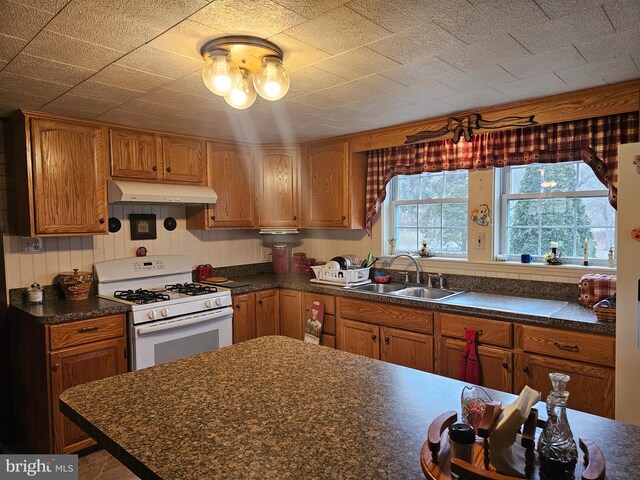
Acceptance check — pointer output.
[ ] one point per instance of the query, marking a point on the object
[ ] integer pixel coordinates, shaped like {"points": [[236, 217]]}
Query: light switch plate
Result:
{"points": [[31, 245], [479, 241]]}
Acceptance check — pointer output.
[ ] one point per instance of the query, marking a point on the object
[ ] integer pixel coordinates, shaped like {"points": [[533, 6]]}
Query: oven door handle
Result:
{"points": [[158, 327]]}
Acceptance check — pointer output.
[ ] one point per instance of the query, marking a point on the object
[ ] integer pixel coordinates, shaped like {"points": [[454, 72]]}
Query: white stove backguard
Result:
{"points": [[142, 272]]}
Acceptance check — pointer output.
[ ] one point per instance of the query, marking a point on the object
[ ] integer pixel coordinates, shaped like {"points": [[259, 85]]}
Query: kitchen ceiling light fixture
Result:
{"points": [[239, 67]]}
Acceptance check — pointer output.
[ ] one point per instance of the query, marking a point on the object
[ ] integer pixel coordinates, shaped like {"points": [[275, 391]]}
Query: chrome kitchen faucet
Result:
{"points": [[414, 262]]}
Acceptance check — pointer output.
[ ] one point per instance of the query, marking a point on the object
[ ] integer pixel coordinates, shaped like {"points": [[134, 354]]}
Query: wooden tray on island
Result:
{"points": [[436, 462]]}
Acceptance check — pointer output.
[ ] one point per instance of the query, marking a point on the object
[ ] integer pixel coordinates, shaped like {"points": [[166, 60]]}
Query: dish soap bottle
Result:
{"points": [[556, 446]]}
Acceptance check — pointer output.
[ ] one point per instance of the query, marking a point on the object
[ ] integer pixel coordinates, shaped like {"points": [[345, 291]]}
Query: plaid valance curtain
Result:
{"points": [[594, 141]]}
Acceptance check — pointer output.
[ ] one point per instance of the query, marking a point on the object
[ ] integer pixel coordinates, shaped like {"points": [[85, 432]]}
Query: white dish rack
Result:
{"points": [[344, 278]]}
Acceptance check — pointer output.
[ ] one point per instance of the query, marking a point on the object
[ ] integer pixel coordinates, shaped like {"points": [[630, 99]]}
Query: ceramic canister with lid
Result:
{"points": [[35, 293]]}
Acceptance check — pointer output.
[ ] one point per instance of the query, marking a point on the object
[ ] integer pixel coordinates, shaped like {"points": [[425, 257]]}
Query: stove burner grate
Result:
{"points": [[190, 288], [141, 296]]}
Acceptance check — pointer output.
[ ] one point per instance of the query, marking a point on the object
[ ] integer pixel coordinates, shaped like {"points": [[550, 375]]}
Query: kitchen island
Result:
{"points": [[275, 407]]}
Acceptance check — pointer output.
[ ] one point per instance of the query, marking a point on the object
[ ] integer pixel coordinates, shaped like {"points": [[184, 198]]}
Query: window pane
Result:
{"points": [[557, 211], [432, 236], [564, 237], [432, 186], [408, 187], [454, 214], [406, 240], [522, 240], [406, 216], [587, 180], [429, 215], [558, 177], [595, 211], [454, 240], [523, 212], [456, 184], [600, 240]]}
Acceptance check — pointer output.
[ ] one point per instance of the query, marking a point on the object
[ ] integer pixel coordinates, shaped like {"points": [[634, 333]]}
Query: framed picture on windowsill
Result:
{"points": [[143, 226]]}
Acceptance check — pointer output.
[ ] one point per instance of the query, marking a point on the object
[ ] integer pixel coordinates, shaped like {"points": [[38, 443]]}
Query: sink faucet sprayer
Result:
{"points": [[414, 262]]}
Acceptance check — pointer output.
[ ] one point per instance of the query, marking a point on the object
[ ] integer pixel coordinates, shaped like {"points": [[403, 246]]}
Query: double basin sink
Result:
{"points": [[399, 290]]}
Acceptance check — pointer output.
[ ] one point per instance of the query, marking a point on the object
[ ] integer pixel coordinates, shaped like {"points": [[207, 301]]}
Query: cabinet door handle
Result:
{"points": [[89, 329], [55, 367], [373, 337], [154, 168], [505, 365], [101, 221], [259, 302], [213, 217], [238, 305], [568, 348], [525, 369], [295, 217], [344, 217], [169, 169], [387, 340]]}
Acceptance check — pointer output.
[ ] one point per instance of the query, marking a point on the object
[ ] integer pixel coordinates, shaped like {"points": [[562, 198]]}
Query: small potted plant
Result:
{"points": [[553, 258]]}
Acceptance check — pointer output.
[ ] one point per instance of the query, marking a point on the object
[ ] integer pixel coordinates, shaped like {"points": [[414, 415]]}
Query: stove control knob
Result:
{"points": [[208, 304], [218, 302], [164, 312], [151, 314]]}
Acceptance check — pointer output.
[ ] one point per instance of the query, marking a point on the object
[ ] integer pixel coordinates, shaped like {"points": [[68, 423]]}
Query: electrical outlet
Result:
{"points": [[266, 254], [32, 245], [479, 241]]}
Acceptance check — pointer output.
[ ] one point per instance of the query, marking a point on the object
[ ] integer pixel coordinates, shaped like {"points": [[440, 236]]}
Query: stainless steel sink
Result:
{"points": [[379, 287], [427, 293]]}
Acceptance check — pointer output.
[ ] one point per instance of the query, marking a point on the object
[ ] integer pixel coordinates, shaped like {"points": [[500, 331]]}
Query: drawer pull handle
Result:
{"points": [[525, 369], [169, 169], [344, 217], [505, 365], [154, 168], [479, 332], [89, 329], [568, 348]]}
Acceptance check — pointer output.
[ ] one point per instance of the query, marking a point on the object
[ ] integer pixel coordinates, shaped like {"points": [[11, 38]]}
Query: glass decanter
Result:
{"points": [[556, 446]]}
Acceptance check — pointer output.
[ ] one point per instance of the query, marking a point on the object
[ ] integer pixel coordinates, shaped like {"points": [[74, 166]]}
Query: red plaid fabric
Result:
{"points": [[594, 140], [594, 287]]}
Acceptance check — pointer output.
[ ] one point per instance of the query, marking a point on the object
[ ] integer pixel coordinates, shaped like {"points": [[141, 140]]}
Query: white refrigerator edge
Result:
{"points": [[628, 276]]}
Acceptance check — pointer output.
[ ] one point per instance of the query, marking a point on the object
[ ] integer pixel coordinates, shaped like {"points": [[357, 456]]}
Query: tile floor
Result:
{"points": [[100, 465]]}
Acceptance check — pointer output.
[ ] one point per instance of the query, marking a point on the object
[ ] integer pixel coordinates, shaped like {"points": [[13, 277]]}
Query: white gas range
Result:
{"points": [[170, 316]]}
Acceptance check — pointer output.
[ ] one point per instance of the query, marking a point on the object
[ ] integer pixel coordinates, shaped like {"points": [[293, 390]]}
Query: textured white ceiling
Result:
{"points": [[355, 65]]}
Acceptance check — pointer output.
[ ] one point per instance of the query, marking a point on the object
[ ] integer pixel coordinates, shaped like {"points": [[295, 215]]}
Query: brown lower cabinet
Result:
{"points": [[410, 349], [591, 388], [496, 364], [294, 308], [514, 355], [256, 314], [53, 358]]}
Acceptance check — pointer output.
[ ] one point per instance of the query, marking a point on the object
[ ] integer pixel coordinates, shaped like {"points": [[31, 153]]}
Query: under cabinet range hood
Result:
{"points": [[139, 192]]}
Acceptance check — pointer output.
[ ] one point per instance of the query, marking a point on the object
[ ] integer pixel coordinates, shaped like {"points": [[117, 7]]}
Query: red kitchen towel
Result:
{"points": [[469, 369], [595, 287], [314, 322]]}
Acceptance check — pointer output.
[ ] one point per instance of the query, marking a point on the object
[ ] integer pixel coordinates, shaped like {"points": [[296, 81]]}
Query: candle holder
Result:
{"points": [[553, 257]]}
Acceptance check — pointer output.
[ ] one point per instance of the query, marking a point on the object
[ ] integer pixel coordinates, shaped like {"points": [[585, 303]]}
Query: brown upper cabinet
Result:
{"points": [[63, 177], [333, 186], [184, 160], [134, 155], [231, 172], [277, 187]]}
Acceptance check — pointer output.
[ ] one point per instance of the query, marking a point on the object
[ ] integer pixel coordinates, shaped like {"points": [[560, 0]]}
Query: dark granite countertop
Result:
{"points": [[550, 313], [275, 407], [61, 311]]}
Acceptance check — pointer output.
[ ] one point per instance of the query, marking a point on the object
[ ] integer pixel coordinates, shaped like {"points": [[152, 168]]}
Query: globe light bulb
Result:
{"points": [[219, 73], [271, 79], [242, 94]]}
